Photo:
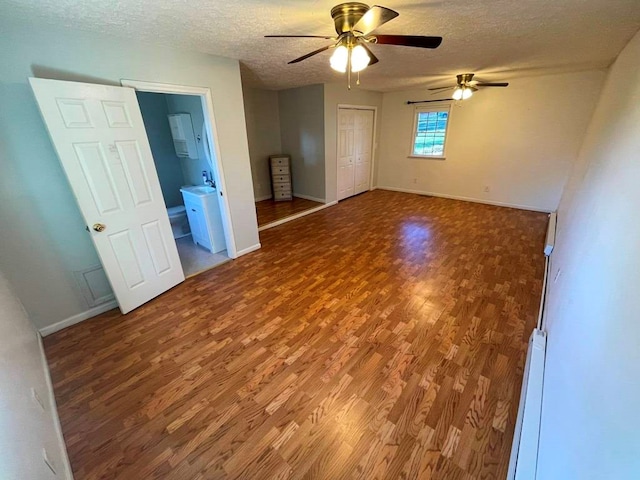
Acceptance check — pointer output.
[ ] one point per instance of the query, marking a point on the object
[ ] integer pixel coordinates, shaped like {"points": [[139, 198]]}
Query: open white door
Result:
{"points": [[99, 136]]}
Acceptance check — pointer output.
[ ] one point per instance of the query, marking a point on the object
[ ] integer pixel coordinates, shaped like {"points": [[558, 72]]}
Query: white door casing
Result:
{"points": [[346, 153], [100, 139]]}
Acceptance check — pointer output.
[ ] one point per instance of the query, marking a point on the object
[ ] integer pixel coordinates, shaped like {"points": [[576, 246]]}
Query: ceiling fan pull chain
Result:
{"points": [[358, 80], [349, 70]]}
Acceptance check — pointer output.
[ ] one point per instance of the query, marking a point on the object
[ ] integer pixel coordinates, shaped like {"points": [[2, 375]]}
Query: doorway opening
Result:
{"points": [[184, 154]]}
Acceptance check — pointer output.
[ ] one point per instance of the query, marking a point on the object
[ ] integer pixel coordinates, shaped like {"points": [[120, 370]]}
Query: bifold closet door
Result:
{"points": [[355, 138]]}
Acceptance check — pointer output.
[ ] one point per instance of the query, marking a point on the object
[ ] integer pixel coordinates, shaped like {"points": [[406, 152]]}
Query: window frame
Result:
{"points": [[443, 107]]}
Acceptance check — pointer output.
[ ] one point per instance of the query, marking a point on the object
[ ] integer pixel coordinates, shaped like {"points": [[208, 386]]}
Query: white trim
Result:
{"points": [[309, 197], [430, 108], [80, 317], [465, 199], [252, 248], [296, 216], [210, 120], [374, 140], [53, 408], [263, 198]]}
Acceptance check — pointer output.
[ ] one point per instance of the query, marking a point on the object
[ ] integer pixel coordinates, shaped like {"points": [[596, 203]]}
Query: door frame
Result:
{"points": [[214, 146], [374, 142]]}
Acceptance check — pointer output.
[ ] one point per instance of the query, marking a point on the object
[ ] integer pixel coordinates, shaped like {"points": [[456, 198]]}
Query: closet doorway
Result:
{"points": [[356, 127]]}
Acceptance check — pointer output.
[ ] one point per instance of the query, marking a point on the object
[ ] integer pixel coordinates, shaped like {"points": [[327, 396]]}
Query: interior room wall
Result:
{"points": [[519, 141], [302, 137], [154, 114], [262, 113], [338, 94], [192, 168], [590, 419], [25, 427], [43, 239]]}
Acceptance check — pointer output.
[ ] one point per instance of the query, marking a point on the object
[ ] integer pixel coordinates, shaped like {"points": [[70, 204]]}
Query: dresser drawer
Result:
{"points": [[280, 161], [281, 179], [281, 187], [284, 170], [282, 195]]}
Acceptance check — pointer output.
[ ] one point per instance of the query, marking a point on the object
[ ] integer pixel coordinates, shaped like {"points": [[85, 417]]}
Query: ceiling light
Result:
{"points": [[462, 93], [359, 58], [339, 59]]}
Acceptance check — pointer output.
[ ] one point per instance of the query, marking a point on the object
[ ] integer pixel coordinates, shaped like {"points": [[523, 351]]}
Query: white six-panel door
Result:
{"points": [[100, 139], [355, 144]]}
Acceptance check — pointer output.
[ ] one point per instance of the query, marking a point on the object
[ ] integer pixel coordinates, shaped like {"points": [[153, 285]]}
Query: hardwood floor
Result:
{"points": [[383, 338], [269, 210]]}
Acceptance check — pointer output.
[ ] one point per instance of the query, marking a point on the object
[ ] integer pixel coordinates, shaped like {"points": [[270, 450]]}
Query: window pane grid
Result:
{"points": [[431, 127]]}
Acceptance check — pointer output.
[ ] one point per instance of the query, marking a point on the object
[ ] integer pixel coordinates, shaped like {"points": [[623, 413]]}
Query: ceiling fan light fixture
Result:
{"points": [[359, 58], [462, 93], [340, 59]]}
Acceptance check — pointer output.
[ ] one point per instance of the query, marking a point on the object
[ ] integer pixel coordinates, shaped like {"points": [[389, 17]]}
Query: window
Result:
{"points": [[430, 131]]}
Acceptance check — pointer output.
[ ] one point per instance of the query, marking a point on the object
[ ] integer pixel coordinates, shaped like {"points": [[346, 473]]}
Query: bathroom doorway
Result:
{"points": [[184, 154]]}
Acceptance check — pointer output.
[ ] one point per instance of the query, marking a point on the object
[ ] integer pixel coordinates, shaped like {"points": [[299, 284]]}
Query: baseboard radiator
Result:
{"points": [[524, 450]]}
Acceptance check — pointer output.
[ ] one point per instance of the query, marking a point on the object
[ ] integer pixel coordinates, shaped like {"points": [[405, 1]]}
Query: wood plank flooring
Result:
{"points": [[269, 210], [382, 338]]}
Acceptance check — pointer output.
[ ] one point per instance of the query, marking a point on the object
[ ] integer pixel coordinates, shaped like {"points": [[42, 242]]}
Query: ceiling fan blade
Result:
{"points": [[409, 40], [300, 36], [375, 17], [492, 84], [315, 52], [373, 58], [442, 88]]}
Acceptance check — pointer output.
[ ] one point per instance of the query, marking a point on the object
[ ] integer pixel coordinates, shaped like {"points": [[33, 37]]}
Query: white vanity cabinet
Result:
{"points": [[205, 220]]}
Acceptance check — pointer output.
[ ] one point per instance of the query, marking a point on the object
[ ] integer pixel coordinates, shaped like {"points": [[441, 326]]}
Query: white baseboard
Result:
{"points": [[53, 408], [264, 197], [296, 216], [465, 199], [309, 197], [252, 248], [92, 312]]}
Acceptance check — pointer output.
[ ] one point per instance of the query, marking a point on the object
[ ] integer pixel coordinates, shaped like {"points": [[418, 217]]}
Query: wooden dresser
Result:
{"points": [[281, 177]]}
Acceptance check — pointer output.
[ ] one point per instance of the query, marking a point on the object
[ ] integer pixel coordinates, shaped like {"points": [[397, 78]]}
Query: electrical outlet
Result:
{"points": [[48, 462], [486, 189], [36, 398]]}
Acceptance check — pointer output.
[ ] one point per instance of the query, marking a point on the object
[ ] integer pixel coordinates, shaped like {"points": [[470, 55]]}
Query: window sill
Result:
{"points": [[427, 157]]}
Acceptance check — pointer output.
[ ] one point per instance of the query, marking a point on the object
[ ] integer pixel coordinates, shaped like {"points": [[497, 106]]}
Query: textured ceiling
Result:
{"points": [[497, 39]]}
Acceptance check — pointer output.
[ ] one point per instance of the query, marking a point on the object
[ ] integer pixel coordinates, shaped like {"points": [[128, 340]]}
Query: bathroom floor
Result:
{"points": [[196, 259]]}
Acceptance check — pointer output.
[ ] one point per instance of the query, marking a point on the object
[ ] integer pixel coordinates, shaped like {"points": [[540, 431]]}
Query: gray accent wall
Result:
{"points": [[169, 167], [302, 137], [263, 131]]}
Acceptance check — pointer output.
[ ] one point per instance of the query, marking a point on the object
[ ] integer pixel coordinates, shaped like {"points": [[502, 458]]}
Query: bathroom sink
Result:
{"points": [[199, 190]]}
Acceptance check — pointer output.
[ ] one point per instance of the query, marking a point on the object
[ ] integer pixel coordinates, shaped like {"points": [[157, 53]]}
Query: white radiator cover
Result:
{"points": [[524, 451]]}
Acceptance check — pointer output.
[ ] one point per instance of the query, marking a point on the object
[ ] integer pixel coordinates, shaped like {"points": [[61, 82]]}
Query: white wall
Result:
{"points": [[42, 235], [302, 136], [334, 95], [520, 141], [263, 132], [25, 428], [590, 421]]}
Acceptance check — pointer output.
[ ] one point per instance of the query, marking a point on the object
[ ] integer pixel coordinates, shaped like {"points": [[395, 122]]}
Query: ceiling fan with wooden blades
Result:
{"points": [[466, 85], [355, 23]]}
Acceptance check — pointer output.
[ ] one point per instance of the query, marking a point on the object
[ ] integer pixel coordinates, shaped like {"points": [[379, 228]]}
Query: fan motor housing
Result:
{"points": [[346, 15]]}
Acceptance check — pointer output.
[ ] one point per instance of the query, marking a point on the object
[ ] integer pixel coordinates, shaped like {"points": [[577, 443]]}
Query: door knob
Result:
{"points": [[99, 227]]}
